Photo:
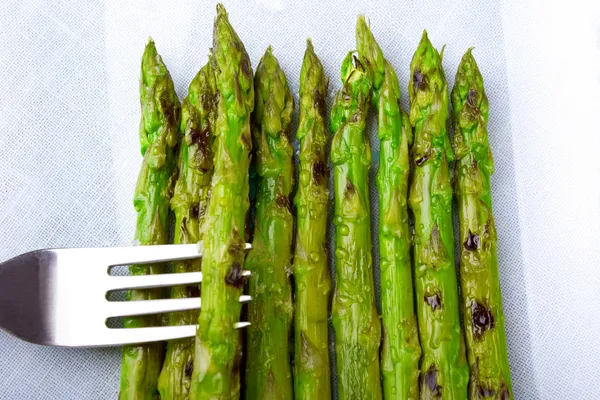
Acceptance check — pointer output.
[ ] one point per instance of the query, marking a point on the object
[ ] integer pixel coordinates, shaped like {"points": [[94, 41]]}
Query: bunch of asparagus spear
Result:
{"points": [[427, 342]]}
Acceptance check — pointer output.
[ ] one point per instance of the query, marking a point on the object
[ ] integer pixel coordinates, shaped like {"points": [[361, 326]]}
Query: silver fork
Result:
{"points": [[59, 297]]}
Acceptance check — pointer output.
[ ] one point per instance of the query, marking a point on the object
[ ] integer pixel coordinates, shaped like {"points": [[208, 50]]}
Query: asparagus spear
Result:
{"points": [[481, 298], [444, 369], [268, 368], [161, 111], [354, 316], [401, 350], [217, 347], [313, 283], [189, 205]]}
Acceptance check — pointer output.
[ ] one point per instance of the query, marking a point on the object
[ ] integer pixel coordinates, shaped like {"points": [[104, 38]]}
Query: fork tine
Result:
{"points": [[153, 281], [160, 280], [152, 254], [145, 307], [118, 337]]}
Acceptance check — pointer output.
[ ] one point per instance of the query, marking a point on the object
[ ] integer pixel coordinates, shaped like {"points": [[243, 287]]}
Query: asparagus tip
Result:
{"points": [[425, 42], [309, 45]]}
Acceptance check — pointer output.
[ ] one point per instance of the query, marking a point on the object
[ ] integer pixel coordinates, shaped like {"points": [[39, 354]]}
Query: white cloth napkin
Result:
{"points": [[69, 152]]}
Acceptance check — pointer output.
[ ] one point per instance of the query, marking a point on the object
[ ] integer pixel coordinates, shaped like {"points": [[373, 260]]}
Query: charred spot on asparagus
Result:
{"points": [[419, 81], [234, 276], [483, 391], [472, 98], [189, 367], [472, 241], [421, 160], [482, 318], [434, 300], [431, 381], [319, 171]]}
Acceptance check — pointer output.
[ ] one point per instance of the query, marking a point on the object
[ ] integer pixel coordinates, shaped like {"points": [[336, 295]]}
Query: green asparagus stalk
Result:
{"points": [[313, 284], [401, 351], [217, 347], [444, 369], [161, 113], [354, 316], [481, 297], [189, 205], [268, 368]]}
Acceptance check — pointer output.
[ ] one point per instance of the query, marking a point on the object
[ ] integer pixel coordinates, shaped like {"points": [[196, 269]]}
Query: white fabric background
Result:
{"points": [[69, 153]]}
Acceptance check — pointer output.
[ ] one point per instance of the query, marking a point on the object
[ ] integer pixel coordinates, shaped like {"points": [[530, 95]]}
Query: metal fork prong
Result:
{"points": [[153, 281], [117, 337], [151, 254], [159, 280], [245, 298], [145, 307]]}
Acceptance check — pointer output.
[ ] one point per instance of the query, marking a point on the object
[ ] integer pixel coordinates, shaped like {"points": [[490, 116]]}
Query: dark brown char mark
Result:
{"points": [[482, 319], [471, 242], [430, 380], [234, 276], [319, 172], [434, 301]]}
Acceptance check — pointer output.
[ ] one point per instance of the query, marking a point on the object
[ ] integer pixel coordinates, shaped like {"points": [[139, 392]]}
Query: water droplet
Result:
{"points": [[394, 145], [343, 230], [341, 253], [301, 211], [390, 159], [301, 286], [304, 177], [338, 221], [314, 256]]}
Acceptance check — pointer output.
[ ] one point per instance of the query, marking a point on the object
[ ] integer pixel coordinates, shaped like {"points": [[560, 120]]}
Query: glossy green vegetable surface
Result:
{"points": [[161, 112], [312, 372], [481, 297], [217, 355], [268, 344], [444, 370], [189, 204], [401, 351], [354, 316]]}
